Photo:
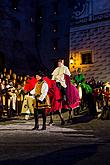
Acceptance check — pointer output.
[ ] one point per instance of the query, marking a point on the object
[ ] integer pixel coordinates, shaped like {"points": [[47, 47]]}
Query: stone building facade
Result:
{"points": [[34, 33], [90, 38]]}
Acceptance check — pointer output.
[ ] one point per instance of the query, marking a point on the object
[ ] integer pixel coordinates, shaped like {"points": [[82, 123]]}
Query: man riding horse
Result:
{"points": [[59, 76]]}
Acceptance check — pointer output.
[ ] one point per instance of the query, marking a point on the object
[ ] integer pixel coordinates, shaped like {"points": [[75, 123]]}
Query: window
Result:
{"points": [[55, 43], [86, 57], [14, 4], [54, 27], [55, 7], [39, 13]]}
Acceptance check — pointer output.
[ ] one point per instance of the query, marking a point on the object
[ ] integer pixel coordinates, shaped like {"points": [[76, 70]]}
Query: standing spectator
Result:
{"points": [[19, 98]]}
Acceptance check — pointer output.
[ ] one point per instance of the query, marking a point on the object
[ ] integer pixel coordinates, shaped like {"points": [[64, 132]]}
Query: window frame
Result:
{"points": [[85, 53]]}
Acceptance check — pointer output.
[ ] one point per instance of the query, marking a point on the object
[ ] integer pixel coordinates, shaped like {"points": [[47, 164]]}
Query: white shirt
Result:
{"points": [[58, 75]]}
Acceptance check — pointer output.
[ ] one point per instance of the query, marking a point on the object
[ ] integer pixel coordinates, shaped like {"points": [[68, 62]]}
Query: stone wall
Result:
{"points": [[96, 39], [91, 32]]}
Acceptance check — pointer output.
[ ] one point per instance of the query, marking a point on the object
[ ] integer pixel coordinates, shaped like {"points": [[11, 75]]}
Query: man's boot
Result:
{"points": [[44, 119], [36, 119], [36, 127], [43, 127]]}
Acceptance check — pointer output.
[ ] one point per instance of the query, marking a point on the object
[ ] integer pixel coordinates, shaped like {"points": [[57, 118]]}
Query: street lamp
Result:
{"points": [[71, 60]]}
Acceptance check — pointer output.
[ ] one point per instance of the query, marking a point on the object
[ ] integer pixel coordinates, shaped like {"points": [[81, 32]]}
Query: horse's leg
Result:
{"points": [[51, 118], [70, 116], [61, 118]]}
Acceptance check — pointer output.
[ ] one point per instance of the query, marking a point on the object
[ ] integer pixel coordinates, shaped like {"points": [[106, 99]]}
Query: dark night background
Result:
{"points": [[35, 33]]}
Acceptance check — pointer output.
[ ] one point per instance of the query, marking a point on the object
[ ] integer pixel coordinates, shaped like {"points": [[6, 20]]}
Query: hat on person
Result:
{"points": [[40, 73], [60, 59]]}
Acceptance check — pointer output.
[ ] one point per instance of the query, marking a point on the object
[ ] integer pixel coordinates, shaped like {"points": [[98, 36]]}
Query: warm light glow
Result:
{"points": [[80, 92], [71, 60], [71, 63], [14, 81], [75, 62]]}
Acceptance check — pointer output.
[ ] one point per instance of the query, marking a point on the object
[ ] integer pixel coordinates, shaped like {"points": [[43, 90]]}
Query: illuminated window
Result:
{"points": [[86, 57]]}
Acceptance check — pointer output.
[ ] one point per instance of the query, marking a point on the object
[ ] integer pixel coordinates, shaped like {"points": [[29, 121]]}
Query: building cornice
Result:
{"points": [[90, 20]]}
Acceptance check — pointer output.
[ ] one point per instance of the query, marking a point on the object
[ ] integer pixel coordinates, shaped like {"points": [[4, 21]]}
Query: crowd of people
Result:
{"points": [[95, 95], [11, 92], [24, 94]]}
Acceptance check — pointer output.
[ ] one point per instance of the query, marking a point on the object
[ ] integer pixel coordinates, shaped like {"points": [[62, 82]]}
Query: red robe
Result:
{"points": [[54, 94], [72, 95], [30, 84]]}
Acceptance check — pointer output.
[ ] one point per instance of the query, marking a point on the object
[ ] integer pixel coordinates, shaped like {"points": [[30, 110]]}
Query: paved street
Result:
{"points": [[80, 143]]}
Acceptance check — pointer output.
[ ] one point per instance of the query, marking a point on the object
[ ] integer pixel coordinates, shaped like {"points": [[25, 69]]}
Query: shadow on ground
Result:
{"points": [[82, 119], [68, 156]]}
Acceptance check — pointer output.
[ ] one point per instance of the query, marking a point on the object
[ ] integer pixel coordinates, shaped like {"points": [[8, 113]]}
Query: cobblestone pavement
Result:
{"points": [[80, 143]]}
